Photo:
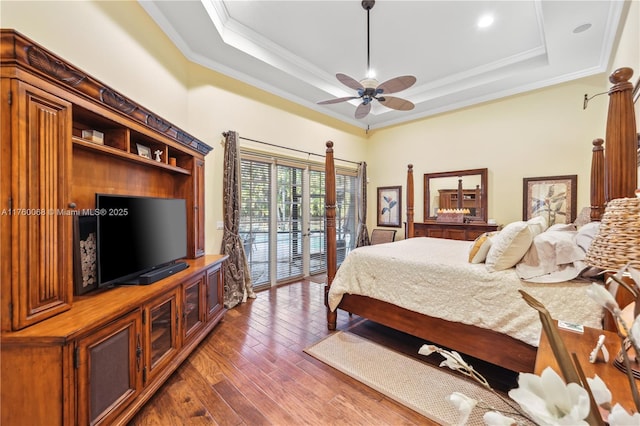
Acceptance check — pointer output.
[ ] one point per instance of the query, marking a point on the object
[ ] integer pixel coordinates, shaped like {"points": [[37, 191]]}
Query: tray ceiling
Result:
{"points": [[293, 49]]}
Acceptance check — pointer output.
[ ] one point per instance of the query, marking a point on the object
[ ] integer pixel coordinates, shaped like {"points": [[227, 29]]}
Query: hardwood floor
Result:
{"points": [[252, 370]]}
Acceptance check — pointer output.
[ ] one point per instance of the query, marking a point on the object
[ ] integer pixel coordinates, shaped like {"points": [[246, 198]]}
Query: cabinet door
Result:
{"points": [[198, 220], [42, 260], [215, 307], [193, 312], [160, 322], [109, 363]]}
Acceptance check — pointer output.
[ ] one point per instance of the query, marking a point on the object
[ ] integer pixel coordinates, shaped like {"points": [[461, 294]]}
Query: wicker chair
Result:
{"points": [[379, 236]]}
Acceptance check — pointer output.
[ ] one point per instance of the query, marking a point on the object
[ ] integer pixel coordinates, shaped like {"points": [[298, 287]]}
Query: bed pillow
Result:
{"points": [[586, 234], [480, 247], [537, 225], [510, 245], [553, 256]]}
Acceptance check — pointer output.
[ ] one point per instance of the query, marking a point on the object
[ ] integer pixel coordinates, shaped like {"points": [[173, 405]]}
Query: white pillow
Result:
{"points": [[537, 225], [586, 234], [480, 247], [511, 244]]}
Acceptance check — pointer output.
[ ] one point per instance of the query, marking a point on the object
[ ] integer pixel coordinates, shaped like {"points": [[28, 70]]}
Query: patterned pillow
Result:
{"points": [[480, 247]]}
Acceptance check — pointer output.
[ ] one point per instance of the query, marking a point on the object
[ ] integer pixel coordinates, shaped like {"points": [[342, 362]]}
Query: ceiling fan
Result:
{"points": [[369, 89]]}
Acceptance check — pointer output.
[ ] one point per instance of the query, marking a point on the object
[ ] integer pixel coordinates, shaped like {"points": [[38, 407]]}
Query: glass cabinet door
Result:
{"points": [[192, 307], [214, 292], [161, 318]]}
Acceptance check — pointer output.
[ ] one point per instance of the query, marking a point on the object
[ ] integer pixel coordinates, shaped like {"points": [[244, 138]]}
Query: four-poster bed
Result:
{"points": [[612, 176]]}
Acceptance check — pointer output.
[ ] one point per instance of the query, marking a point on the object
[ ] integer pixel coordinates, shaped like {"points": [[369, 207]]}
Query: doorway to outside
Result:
{"points": [[282, 218]]}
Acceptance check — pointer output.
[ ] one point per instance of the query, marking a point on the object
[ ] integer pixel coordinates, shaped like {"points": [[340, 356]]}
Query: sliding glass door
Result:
{"points": [[255, 218], [282, 218]]}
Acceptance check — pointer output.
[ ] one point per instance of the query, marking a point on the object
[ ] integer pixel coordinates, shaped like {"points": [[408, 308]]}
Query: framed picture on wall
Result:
{"points": [[389, 205], [553, 197]]}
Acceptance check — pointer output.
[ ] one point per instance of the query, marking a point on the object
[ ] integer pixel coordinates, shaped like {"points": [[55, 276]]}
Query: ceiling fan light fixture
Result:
{"points": [[369, 88], [369, 83]]}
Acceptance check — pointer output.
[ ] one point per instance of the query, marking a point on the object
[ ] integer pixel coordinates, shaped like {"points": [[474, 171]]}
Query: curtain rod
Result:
{"points": [[292, 149]]}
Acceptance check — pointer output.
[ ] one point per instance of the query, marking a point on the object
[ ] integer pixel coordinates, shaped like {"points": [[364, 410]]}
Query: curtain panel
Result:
{"points": [[237, 278], [362, 235]]}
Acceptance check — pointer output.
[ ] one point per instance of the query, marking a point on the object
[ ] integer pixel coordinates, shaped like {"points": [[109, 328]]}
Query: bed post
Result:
{"points": [[620, 162], [330, 231], [597, 180], [410, 201]]}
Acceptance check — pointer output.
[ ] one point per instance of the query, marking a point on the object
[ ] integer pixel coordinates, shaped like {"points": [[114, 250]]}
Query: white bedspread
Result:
{"points": [[433, 276]]}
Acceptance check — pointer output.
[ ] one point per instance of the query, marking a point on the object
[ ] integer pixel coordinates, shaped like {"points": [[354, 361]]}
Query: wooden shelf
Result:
{"points": [[127, 156]]}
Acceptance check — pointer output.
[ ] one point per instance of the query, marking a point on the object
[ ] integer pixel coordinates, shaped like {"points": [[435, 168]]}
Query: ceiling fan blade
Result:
{"points": [[397, 103], [362, 110], [337, 100], [396, 84], [349, 81]]}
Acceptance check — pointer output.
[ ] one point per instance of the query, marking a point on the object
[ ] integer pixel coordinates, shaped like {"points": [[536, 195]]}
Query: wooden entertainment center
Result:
{"points": [[94, 358]]}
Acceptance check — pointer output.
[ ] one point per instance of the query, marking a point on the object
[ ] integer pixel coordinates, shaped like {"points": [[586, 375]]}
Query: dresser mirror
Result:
{"points": [[460, 189]]}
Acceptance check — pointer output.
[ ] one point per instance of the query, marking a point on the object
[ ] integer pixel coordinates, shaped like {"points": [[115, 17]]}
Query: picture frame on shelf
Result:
{"points": [[85, 239], [554, 197], [389, 206], [144, 151]]}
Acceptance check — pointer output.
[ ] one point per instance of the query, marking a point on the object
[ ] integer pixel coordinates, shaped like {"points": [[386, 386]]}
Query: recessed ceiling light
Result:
{"points": [[485, 21], [581, 28]]}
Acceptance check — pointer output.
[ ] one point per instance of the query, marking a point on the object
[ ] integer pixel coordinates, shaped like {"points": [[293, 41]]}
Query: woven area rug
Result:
{"points": [[410, 382]]}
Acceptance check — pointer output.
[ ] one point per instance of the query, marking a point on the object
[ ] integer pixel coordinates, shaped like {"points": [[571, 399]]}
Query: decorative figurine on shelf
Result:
{"points": [[157, 153]]}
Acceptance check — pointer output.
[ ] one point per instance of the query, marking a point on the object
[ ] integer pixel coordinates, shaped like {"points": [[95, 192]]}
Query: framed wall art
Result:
{"points": [[389, 206], [553, 197]]}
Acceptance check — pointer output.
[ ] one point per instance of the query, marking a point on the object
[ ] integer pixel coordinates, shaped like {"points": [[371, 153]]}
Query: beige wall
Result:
{"points": [[119, 44], [541, 133], [218, 104], [115, 42]]}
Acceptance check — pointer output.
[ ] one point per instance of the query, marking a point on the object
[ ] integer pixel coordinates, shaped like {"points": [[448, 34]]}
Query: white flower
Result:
{"points": [[463, 404], [635, 274], [599, 389], [493, 418], [427, 350], [454, 361], [620, 417], [635, 329], [602, 297], [549, 401]]}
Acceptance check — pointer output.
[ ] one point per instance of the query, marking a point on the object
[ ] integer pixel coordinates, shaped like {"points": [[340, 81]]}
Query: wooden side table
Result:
{"points": [[582, 344]]}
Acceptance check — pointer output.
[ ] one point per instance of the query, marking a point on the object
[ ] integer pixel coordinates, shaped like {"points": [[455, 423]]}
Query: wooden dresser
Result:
{"points": [[453, 231], [95, 358]]}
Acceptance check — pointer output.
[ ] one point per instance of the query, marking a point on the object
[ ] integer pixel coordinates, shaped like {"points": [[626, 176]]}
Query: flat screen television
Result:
{"points": [[139, 239]]}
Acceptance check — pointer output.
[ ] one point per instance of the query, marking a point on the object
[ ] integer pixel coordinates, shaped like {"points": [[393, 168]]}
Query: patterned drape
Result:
{"points": [[362, 236], [237, 278]]}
